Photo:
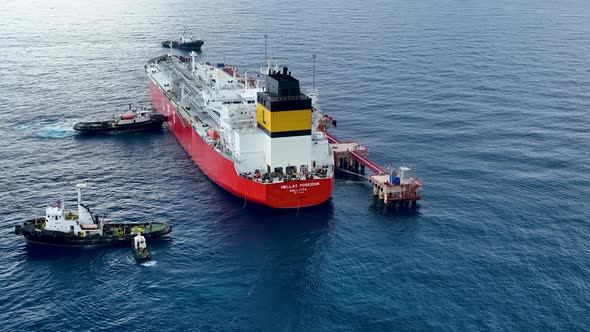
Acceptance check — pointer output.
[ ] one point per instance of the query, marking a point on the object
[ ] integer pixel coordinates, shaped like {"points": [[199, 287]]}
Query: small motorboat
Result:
{"points": [[133, 119], [84, 228], [140, 249], [186, 42]]}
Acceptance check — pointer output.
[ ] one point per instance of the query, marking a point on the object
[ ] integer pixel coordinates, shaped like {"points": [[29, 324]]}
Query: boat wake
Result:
{"points": [[47, 130], [149, 263], [58, 130]]}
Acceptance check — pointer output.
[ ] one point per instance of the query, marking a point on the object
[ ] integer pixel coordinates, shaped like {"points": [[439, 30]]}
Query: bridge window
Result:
{"points": [[278, 170], [291, 170]]}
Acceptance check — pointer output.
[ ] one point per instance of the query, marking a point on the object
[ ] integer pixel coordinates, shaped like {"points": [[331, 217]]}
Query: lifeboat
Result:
{"points": [[127, 117], [92, 226], [138, 244], [213, 133]]}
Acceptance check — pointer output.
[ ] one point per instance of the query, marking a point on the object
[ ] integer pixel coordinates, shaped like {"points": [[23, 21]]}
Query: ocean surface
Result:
{"points": [[488, 101]]}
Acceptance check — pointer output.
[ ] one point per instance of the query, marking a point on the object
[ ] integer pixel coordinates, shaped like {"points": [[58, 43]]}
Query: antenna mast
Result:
{"points": [[313, 82], [265, 54], [79, 187], [246, 81], [193, 56]]}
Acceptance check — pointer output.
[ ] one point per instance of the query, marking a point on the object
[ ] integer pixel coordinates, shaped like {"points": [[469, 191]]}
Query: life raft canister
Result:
{"points": [[213, 133]]}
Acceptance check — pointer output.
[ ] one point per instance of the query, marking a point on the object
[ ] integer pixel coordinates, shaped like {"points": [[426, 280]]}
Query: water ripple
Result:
{"points": [[488, 101]]}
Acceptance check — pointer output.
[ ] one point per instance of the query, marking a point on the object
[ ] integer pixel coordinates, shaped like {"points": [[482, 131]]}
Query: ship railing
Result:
{"points": [[198, 103], [179, 71], [322, 172], [283, 98], [214, 116]]}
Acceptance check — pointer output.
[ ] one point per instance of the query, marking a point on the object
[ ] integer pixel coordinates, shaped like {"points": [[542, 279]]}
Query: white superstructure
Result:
{"points": [[56, 218]]}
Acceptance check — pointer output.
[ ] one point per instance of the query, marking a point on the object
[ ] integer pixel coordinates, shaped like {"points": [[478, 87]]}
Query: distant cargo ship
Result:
{"points": [[258, 139]]}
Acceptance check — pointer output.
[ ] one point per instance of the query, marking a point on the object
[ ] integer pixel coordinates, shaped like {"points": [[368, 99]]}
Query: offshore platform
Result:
{"points": [[397, 189]]}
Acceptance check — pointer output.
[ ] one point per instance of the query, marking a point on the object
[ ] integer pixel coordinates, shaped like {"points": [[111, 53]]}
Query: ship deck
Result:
{"points": [[189, 112]]}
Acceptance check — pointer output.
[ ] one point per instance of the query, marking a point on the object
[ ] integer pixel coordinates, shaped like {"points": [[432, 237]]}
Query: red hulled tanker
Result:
{"points": [[256, 139]]}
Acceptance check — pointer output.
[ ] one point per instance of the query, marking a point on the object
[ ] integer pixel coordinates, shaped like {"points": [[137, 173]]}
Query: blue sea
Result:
{"points": [[487, 101]]}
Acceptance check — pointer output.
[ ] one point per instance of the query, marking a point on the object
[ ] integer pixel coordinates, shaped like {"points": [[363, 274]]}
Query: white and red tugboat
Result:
{"points": [[256, 139], [133, 119]]}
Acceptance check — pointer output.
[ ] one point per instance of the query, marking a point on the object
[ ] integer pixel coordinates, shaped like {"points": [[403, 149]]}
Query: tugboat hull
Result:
{"points": [[189, 46], [113, 233], [103, 127]]}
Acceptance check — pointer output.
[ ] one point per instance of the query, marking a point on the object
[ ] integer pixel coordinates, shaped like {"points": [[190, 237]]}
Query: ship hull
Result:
{"points": [[221, 170], [104, 127], [190, 46], [33, 234]]}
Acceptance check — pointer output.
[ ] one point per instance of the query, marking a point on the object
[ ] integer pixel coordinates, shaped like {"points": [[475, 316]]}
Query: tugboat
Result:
{"points": [[140, 248], [84, 228], [185, 42], [133, 119]]}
